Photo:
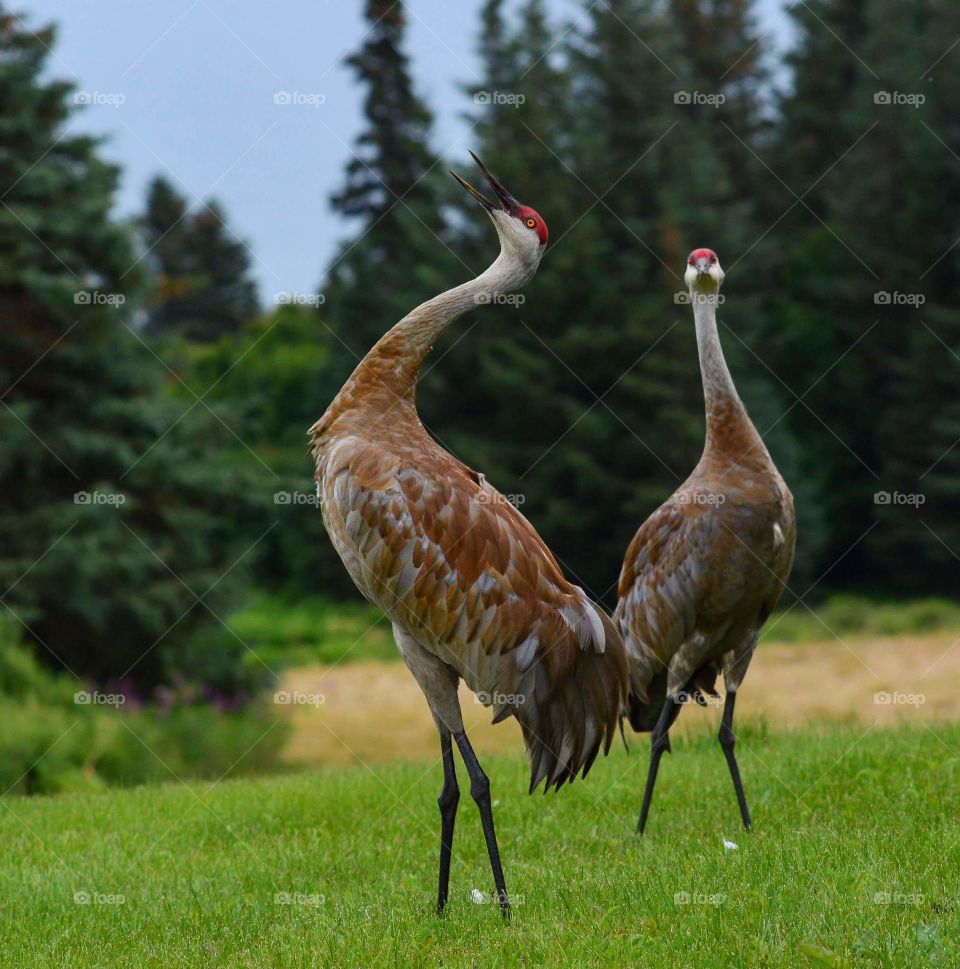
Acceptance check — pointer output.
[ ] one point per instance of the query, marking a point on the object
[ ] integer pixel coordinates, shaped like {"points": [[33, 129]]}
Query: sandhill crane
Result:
{"points": [[471, 589], [705, 570]]}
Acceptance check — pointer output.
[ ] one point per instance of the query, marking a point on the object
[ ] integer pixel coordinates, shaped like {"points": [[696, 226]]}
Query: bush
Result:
{"points": [[53, 741], [846, 615]]}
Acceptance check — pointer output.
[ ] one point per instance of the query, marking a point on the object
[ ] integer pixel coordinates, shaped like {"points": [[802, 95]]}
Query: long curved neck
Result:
{"points": [[729, 428], [388, 373]]}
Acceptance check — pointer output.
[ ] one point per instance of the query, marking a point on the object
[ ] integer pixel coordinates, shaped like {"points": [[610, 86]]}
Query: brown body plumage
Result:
{"points": [[705, 570], [471, 589]]}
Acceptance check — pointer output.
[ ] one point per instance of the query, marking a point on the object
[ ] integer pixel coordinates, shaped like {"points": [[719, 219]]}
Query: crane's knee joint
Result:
{"points": [[480, 788], [727, 738], [449, 797]]}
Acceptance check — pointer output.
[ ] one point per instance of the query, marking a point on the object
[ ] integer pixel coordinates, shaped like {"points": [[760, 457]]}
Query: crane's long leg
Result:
{"points": [[480, 791], [659, 744], [448, 800], [727, 741]]}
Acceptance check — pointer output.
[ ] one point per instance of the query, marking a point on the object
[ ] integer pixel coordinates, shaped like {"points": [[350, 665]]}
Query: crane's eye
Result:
{"points": [[531, 223]]}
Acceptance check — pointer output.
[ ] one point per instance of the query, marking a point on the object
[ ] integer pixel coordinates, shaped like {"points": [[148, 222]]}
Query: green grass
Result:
{"points": [[853, 862], [845, 615]]}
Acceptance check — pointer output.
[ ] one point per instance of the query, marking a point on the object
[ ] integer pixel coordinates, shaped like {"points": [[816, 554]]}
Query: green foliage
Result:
{"points": [[302, 630], [54, 739], [858, 616], [291, 871]]}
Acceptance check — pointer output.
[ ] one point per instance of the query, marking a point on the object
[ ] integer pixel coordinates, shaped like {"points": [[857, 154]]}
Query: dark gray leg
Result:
{"points": [[480, 791], [727, 741], [659, 743], [448, 800]]}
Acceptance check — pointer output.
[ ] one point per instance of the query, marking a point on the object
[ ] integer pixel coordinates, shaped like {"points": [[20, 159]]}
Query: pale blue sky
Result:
{"points": [[198, 80]]}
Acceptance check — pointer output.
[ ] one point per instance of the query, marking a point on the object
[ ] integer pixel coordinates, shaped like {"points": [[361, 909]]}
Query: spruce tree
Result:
{"points": [[202, 284], [390, 193]]}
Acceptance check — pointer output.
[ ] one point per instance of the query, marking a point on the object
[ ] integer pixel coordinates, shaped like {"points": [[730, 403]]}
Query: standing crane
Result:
{"points": [[705, 570], [471, 589]]}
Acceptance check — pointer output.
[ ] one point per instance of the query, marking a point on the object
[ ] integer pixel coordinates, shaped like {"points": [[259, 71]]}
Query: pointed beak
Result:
{"points": [[702, 266], [507, 201]]}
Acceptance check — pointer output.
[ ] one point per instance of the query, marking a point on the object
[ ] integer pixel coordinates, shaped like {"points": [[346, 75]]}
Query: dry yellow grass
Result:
{"points": [[374, 712]]}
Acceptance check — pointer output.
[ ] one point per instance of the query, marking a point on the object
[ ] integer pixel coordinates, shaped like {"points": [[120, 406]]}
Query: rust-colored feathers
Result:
{"points": [[454, 563]]}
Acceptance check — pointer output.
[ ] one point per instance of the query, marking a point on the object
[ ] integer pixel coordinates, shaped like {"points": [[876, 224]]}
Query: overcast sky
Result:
{"points": [[189, 88]]}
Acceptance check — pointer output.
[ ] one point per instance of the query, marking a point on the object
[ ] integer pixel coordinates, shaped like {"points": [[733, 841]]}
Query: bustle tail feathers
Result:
{"points": [[571, 699]]}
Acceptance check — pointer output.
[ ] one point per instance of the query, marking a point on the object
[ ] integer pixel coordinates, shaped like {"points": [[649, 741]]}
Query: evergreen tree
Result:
{"points": [[862, 358], [114, 507], [390, 194], [203, 287]]}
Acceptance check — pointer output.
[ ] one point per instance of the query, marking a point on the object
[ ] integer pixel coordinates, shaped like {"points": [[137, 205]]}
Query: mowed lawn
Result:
{"points": [[855, 861]]}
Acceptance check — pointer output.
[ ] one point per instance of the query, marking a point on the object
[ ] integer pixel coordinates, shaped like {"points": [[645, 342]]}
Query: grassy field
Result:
{"points": [[854, 862]]}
